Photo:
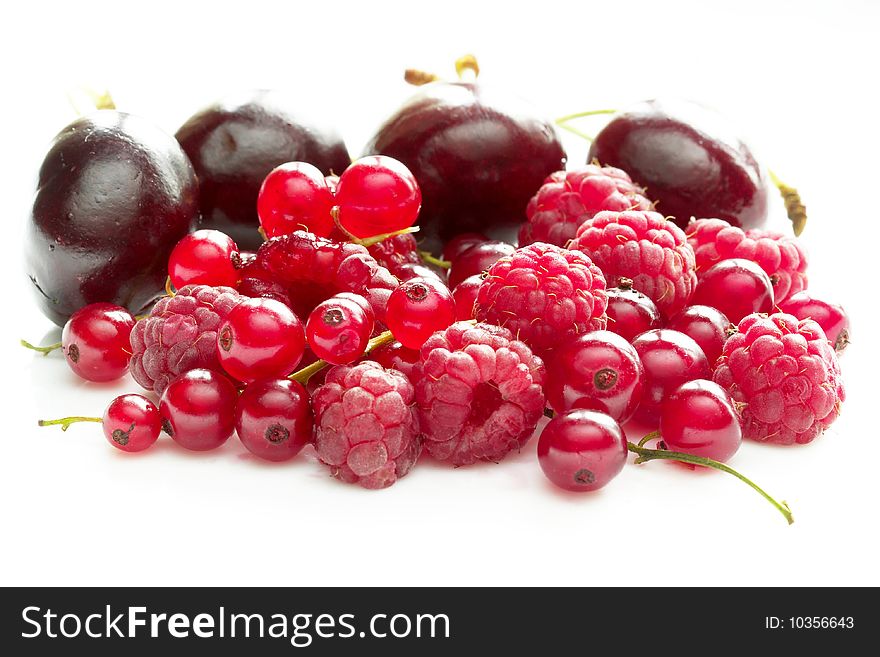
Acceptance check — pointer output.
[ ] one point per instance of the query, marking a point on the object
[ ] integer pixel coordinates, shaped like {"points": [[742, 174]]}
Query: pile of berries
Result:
{"points": [[338, 332]]}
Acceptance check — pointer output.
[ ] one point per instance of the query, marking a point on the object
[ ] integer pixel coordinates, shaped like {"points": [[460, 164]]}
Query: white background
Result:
{"points": [[800, 78]]}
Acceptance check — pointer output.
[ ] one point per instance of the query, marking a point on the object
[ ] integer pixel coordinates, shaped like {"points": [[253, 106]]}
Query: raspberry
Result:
{"points": [[395, 251], [568, 199], [787, 376], [544, 294], [367, 429], [781, 256], [478, 392], [180, 335], [645, 247]]}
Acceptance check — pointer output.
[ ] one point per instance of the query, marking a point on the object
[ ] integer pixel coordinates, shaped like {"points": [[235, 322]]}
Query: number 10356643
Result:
{"points": [[809, 623]]}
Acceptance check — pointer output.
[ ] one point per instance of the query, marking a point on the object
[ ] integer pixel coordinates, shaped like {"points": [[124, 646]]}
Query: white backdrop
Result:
{"points": [[798, 77]]}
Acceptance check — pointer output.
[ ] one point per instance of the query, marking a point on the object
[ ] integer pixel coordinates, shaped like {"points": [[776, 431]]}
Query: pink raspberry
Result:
{"points": [[568, 198], [544, 294], [180, 335], [366, 425], [781, 256], [785, 374], [479, 393], [646, 248]]}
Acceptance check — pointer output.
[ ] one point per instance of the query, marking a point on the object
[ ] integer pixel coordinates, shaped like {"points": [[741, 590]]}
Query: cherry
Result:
{"points": [[670, 358], [477, 259], [737, 287], [599, 371], [198, 409], [830, 316], [273, 419], [339, 329], [376, 195], [205, 257], [260, 339], [465, 295], [96, 342], [461, 243], [709, 328], [417, 308], [295, 196], [132, 423], [582, 450], [698, 418], [629, 311]]}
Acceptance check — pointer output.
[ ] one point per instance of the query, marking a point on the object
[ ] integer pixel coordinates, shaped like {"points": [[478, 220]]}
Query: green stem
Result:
{"points": [[580, 115], [794, 205], [432, 260], [65, 422], [645, 455], [648, 438], [303, 375], [573, 130], [43, 350], [375, 239]]}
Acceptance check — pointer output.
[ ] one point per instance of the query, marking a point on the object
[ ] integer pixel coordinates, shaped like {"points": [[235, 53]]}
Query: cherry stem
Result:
{"points": [[562, 121], [437, 262], [169, 288], [794, 206], [303, 375], [85, 100], [645, 455], [43, 350], [467, 64], [65, 422]]}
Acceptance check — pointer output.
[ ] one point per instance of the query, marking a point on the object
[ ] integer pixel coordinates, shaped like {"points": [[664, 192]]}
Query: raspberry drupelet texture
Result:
{"points": [[478, 392], [544, 295], [180, 335], [366, 424], [787, 376], [646, 248], [568, 198], [781, 256]]}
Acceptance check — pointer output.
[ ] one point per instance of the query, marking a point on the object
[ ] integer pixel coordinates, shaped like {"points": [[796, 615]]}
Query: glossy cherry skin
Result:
{"points": [[273, 419], [699, 418], [690, 160], [295, 196], [476, 260], [376, 195], [260, 339], [582, 450], [465, 295], [198, 409], [461, 243], [235, 143], [417, 308], [394, 356], [114, 195], [338, 330], [477, 153], [830, 316], [630, 312], [709, 328], [205, 257], [95, 341], [670, 358], [598, 371], [737, 287], [132, 423]]}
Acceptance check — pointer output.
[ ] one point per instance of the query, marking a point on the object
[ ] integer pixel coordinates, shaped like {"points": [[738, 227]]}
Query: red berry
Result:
{"points": [[198, 409], [736, 287], [461, 243], [477, 259], [709, 328], [410, 271], [629, 311], [396, 252], [205, 257], [465, 295], [417, 309], [582, 450], [698, 418], [260, 339], [339, 329], [273, 419], [670, 358], [132, 423], [295, 196], [599, 371], [394, 356], [830, 316], [96, 342], [377, 194]]}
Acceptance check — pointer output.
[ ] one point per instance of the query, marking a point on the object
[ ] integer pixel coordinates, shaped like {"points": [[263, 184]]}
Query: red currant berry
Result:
{"points": [[132, 423], [295, 196], [376, 195], [670, 358], [465, 295], [96, 342], [709, 328], [629, 311], [830, 316], [260, 339], [417, 308], [198, 409], [477, 259], [737, 287], [698, 418], [394, 356], [338, 330], [461, 243], [359, 300], [273, 419], [598, 371], [410, 271], [205, 257], [582, 450]]}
